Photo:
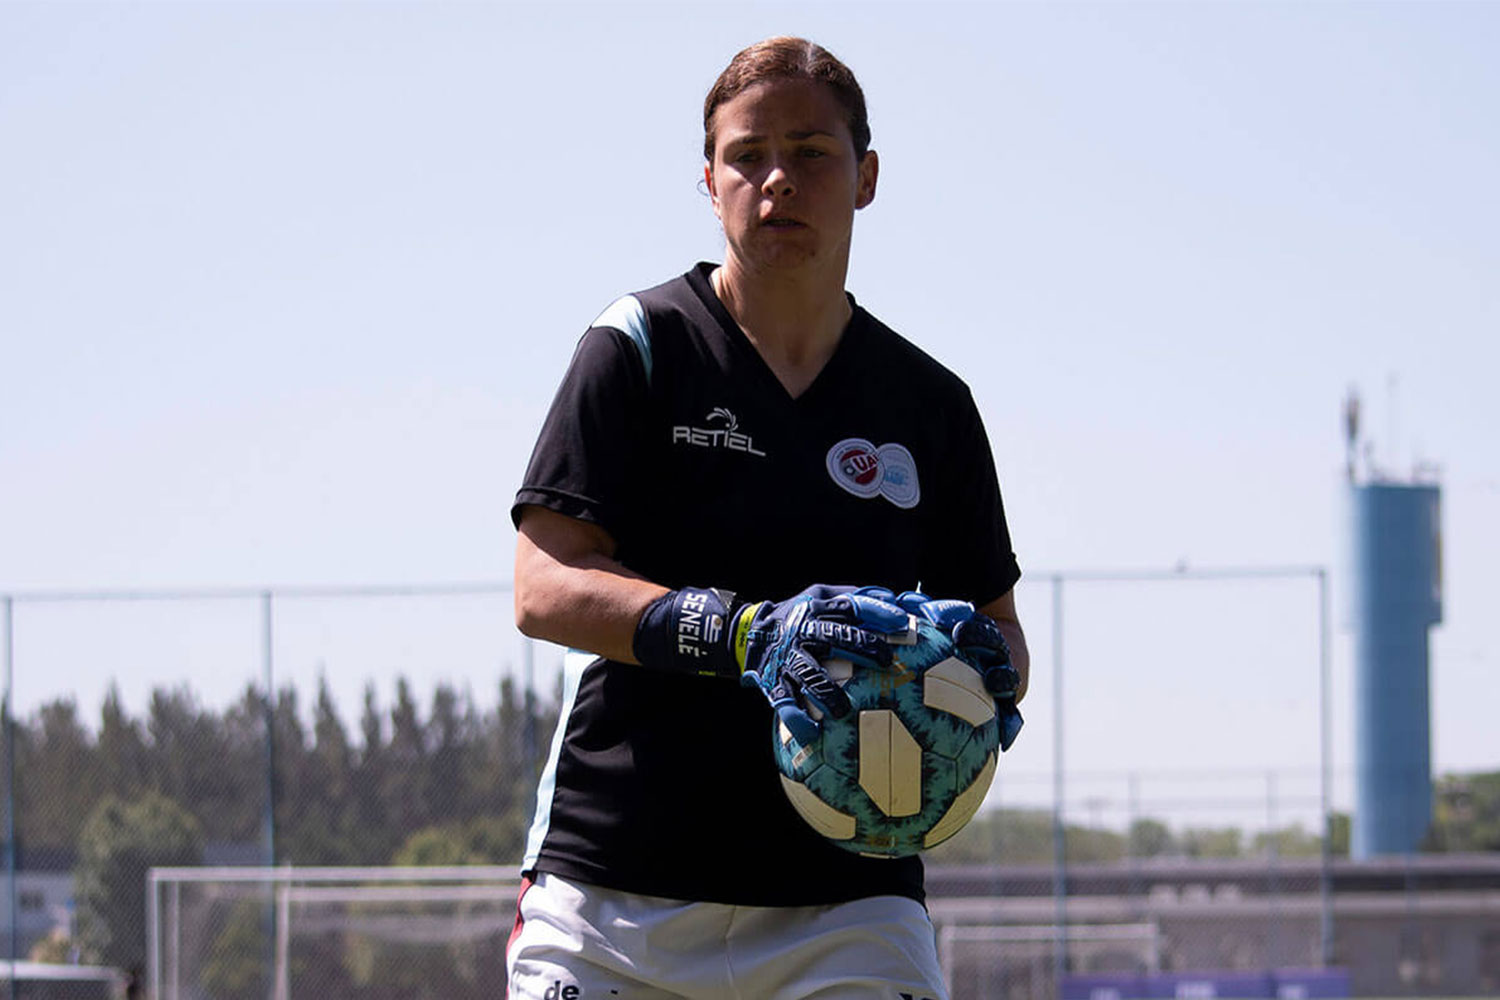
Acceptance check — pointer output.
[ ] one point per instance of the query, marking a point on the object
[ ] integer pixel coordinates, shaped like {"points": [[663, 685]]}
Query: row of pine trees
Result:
{"points": [[340, 798]]}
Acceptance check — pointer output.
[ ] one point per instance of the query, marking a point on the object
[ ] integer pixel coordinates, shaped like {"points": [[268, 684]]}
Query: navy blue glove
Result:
{"points": [[783, 648], [980, 640], [778, 647], [687, 631]]}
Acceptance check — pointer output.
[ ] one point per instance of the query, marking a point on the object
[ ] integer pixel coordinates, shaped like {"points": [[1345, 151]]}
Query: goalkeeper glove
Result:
{"points": [[979, 638], [779, 648]]}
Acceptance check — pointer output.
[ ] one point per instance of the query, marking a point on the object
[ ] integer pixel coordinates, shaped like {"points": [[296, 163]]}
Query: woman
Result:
{"points": [[745, 429]]}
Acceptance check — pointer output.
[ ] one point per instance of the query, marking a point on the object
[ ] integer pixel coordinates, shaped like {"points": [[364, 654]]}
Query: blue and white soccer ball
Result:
{"points": [[909, 765]]}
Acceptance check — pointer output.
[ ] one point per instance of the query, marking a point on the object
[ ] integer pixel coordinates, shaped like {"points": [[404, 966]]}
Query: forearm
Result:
{"points": [[574, 594], [1020, 656], [1003, 611]]}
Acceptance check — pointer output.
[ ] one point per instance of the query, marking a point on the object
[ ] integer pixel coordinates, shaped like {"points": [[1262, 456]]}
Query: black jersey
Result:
{"points": [[672, 433]]}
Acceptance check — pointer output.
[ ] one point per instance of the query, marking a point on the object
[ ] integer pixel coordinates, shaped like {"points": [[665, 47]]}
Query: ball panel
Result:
{"points": [[955, 687], [819, 815], [964, 806], [890, 764]]}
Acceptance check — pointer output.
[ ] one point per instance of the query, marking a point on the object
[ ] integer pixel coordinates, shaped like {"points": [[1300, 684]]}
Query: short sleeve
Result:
{"points": [[589, 441], [969, 554]]}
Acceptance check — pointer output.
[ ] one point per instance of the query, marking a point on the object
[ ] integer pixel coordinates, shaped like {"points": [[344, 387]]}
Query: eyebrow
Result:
{"points": [[796, 134]]}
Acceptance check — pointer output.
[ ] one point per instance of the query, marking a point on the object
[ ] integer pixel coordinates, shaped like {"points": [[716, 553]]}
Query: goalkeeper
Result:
{"points": [[729, 456]]}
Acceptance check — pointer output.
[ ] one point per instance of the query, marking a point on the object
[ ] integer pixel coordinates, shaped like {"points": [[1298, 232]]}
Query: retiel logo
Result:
{"points": [[727, 436], [868, 471]]}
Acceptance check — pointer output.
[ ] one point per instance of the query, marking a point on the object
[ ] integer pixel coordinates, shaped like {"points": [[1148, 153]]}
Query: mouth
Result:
{"points": [[781, 222]]}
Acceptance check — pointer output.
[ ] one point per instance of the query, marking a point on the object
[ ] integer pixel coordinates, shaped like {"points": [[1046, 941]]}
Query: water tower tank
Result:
{"points": [[1397, 598]]}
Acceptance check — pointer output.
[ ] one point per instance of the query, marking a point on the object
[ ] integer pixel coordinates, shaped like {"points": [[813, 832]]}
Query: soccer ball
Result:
{"points": [[911, 762]]}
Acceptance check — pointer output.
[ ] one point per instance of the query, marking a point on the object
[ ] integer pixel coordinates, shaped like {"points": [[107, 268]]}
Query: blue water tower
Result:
{"points": [[1397, 597]]}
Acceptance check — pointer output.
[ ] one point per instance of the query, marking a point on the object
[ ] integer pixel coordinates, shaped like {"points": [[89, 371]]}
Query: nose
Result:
{"points": [[778, 182]]}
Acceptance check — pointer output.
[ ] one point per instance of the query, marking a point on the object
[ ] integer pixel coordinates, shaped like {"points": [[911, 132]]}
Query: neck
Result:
{"points": [[794, 319]]}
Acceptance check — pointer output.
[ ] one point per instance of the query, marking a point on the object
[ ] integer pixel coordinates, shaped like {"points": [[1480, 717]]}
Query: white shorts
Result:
{"points": [[577, 942]]}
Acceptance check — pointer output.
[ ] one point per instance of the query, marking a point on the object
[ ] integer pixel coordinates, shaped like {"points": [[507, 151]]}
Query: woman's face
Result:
{"points": [[785, 180]]}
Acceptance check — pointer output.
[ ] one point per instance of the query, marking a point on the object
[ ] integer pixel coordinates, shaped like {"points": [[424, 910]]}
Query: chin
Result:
{"points": [[783, 258]]}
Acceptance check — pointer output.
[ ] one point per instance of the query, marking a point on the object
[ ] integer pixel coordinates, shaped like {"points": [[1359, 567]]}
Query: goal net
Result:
{"points": [[362, 933]]}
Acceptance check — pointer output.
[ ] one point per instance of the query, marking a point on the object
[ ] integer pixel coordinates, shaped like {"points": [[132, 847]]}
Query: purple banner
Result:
{"points": [[1311, 984], [1277, 984], [1103, 986]]}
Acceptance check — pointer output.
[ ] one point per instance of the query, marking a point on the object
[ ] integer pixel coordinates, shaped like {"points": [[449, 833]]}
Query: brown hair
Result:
{"points": [[788, 58]]}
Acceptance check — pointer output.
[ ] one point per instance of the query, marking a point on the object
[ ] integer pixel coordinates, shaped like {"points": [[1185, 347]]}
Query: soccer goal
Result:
{"points": [[1020, 960], [316, 932]]}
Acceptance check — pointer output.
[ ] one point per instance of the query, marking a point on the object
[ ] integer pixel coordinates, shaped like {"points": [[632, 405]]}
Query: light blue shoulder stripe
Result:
{"points": [[628, 316], [574, 662]]}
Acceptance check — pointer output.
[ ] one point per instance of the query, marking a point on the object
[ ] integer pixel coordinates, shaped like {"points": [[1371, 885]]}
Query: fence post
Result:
{"points": [[1273, 877], [1325, 752], [268, 661], [1059, 839], [10, 791], [153, 935]]}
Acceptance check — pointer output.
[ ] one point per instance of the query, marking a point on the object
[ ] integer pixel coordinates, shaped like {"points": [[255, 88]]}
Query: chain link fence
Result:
{"points": [[1176, 806], [391, 933]]}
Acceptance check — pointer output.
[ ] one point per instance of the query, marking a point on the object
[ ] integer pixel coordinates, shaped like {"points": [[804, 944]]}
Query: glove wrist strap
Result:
{"points": [[739, 639], [688, 631]]}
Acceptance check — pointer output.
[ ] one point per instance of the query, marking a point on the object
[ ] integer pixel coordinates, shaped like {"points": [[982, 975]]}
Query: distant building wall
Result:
{"points": [[44, 902], [1426, 925]]}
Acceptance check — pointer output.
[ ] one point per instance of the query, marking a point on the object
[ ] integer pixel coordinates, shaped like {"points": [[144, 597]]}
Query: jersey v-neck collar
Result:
{"points": [[702, 285]]}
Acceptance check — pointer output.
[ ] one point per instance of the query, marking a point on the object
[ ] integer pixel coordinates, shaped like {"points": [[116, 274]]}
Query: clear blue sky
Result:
{"points": [[285, 289]]}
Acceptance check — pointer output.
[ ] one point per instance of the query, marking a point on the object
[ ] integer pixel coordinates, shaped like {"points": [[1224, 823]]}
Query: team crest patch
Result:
{"points": [[869, 471]]}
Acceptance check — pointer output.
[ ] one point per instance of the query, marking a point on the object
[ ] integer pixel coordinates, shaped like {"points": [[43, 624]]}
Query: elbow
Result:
{"points": [[530, 594], [526, 617], [530, 609]]}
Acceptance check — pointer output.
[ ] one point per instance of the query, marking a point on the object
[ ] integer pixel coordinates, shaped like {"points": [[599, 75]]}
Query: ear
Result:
{"points": [[869, 173], [713, 190]]}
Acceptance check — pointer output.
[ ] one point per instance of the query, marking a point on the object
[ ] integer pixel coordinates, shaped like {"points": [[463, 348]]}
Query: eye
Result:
{"points": [[746, 156], [812, 153]]}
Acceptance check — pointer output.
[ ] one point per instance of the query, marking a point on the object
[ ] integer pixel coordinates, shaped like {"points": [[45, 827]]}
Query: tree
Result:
{"points": [[121, 841], [371, 837], [406, 773], [520, 730], [213, 766], [1466, 813], [1338, 834], [59, 776], [240, 736], [122, 750], [236, 965], [1289, 842], [289, 752], [1151, 838], [322, 823], [450, 739], [1090, 843], [486, 840], [1208, 842], [1000, 836], [54, 949]]}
